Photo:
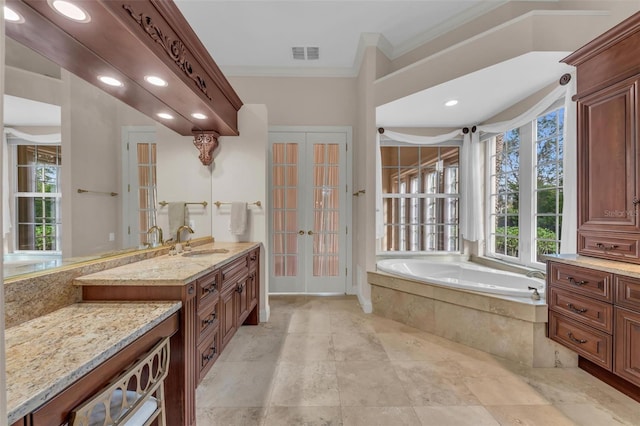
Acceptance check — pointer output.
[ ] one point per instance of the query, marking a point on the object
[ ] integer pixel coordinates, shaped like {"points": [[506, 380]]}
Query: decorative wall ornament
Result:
{"points": [[174, 48], [206, 144]]}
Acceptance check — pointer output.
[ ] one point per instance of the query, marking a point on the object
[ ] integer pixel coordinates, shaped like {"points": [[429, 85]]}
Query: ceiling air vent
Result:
{"points": [[305, 53]]}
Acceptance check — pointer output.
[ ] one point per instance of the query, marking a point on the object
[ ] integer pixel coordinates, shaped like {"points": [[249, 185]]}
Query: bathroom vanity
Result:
{"points": [[57, 361], [219, 287], [594, 296]]}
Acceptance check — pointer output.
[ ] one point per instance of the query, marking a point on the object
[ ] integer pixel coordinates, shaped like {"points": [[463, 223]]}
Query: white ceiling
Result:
{"points": [[480, 95], [256, 37]]}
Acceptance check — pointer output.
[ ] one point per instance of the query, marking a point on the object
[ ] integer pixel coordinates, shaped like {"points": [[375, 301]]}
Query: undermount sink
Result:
{"points": [[204, 252]]}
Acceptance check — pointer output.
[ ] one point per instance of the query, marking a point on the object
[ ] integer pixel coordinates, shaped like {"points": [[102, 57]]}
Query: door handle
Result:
{"points": [[310, 232], [301, 232]]}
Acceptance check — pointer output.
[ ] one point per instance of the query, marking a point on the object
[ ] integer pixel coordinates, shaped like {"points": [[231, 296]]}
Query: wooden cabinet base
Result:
{"points": [[609, 378]]}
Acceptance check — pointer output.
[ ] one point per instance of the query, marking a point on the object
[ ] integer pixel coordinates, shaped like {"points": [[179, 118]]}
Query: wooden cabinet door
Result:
{"points": [[228, 315], [627, 341], [607, 159], [242, 296]]}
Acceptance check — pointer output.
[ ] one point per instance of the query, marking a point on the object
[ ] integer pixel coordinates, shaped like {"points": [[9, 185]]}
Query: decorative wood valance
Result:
{"points": [[130, 39]]}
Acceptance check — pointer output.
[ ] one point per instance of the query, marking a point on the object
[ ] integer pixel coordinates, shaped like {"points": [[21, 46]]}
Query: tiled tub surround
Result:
{"points": [[512, 328], [47, 354], [34, 295]]}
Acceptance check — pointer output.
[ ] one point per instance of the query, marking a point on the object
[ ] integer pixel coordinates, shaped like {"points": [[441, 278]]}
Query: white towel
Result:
{"points": [[176, 217], [238, 220]]}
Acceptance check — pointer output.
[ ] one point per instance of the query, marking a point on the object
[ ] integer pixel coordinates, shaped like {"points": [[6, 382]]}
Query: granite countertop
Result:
{"points": [[612, 266], [168, 270], [47, 354]]}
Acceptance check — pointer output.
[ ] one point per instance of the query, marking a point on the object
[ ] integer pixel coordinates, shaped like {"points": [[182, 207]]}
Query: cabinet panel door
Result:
{"points": [[627, 338], [607, 159], [227, 315], [242, 292]]}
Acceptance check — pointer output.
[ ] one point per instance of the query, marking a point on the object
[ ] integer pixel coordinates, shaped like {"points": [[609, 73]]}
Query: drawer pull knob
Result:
{"points": [[209, 356], [573, 281], [576, 310], [210, 320], [606, 247], [573, 339], [240, 289], [210, 289]]}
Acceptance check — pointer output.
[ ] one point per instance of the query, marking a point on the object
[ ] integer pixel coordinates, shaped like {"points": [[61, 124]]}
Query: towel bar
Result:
{"points": [[219, 203], [202, 203]]}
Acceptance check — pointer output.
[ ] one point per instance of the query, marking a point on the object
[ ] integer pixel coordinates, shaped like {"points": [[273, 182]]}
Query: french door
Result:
{"points": [[308, 229]]}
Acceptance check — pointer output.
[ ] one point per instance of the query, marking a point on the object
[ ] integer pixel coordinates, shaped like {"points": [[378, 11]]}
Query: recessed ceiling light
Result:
{"points": [[156, 81], [165, 116], [198, 116], [452, 102], [70, 10], [110, 81], [12, 16]]}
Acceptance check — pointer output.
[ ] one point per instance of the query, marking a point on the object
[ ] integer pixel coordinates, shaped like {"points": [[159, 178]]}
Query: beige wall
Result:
{"points": [[240, 174], [301, 101], [3, 393]]}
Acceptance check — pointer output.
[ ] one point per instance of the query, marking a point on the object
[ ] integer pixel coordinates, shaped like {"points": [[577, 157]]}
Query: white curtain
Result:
{"points": [[568, 241], [14, 137], [471, 191]]}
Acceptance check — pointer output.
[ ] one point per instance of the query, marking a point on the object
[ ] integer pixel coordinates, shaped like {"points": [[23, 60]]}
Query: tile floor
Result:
{"points": [[321, 361]]}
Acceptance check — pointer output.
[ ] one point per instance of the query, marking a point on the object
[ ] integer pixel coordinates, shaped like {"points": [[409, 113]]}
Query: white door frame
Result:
{"points": [[348, 131]]}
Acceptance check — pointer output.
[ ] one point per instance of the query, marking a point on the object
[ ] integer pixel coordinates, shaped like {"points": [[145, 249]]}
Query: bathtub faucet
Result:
{"points": [[535, 295], [536, 274]]}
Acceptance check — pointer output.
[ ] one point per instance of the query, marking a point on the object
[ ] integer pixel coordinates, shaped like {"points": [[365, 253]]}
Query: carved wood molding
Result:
{"points": [[206, 144], [174, 48]]}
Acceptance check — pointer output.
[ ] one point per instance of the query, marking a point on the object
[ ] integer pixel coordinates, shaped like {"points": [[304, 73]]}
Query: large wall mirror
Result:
{"points": [[81, 168]]}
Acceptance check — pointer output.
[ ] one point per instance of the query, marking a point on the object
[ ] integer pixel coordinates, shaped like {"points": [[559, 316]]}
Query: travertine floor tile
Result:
{"points": [[297, 369], [588, 415], [309, 321], [529, 415], [455, 416], [307, 347], [306, 385], [254, 347], [379, 416], [432, 384], [504, 390], [370, 384], [307, 416], [226, 416], [237, 384], [358, 347]]}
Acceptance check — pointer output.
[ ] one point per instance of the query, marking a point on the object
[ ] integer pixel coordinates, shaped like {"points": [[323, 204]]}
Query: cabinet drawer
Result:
{"points": [[208, 288], [628, 292], [586, 341], [208, 319], [580, 280], [609, 246], [591, 312], [208, 352], [237, 268]]}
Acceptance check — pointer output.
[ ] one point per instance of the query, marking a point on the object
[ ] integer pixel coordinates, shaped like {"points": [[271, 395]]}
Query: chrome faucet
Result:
{"points": [[156, 228], [182, 228], [535, 295], [536, 274]]}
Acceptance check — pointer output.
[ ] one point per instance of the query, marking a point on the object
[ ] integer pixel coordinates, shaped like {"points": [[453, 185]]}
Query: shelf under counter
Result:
{"points": [[79, 345]]}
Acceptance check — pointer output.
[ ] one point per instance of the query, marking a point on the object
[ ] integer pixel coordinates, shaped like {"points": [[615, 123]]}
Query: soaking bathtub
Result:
{"points": [[478, 306], [464, 275]]}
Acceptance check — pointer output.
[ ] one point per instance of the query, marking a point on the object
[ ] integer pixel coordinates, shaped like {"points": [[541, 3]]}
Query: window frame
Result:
{"points": [[527, 208], [17, 195], [406, 197]]}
